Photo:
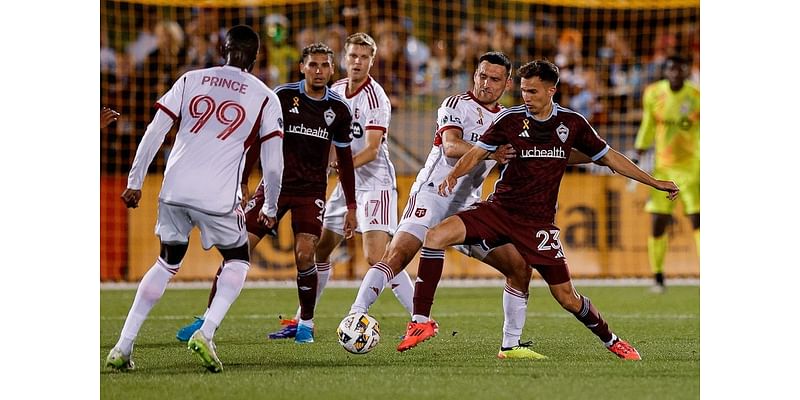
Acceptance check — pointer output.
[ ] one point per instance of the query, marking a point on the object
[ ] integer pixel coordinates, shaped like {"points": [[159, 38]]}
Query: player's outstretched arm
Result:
{"points": [[465, 164], [624, 166]]}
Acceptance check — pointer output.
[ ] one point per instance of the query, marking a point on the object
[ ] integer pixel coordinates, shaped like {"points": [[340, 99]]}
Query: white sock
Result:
{"points": [[371, 287], [515, 307], [230, 283], [150, 290], [613, 339], [403, 289], [323, 274], [309, 323], [420, 319]]}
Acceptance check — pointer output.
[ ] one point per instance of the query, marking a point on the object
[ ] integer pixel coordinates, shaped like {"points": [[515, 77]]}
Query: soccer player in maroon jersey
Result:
{"points": [[522, 209], [314, 117]]}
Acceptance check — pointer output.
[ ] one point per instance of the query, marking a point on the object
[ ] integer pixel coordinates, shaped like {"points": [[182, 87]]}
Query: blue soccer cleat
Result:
{"points": [[288, 331], [186, 332], [305, 334]]}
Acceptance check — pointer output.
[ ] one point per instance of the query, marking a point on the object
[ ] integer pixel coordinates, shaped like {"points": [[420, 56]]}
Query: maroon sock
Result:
{"points": [[429, 274], [214, 285], [590, 317], [307, 292]]}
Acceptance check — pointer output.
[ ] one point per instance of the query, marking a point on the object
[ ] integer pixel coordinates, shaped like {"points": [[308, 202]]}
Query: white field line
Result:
{"points": [[465, 283], [465, 314]]}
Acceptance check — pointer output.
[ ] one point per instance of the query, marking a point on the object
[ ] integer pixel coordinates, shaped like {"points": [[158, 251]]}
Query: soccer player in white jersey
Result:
{"points": [[461, 121], [376, 184], [221, 112]]}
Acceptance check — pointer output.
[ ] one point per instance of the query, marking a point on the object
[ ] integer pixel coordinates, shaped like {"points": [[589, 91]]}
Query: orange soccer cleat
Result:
{"points": [[288, 331], [416, 333], [624, 350]]}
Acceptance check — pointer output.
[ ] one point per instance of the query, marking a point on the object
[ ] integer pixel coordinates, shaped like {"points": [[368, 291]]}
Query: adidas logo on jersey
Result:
{"points": [[524, 134], [374, 222], [294, 110]]}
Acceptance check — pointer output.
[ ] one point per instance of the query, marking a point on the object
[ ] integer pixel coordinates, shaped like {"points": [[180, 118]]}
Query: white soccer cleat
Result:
{"points": [[118, 361], [206, 350]]}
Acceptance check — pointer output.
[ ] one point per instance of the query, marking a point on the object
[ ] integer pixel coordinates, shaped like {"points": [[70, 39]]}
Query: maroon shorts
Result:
{"points": [[537, 242], [307, 212]]}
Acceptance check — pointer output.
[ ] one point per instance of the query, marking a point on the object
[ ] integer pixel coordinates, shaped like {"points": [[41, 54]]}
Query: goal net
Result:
{"points": [[608, 51]]}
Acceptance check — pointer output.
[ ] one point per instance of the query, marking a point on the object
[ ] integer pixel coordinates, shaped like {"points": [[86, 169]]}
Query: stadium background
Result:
{"points": [[607, 50]]}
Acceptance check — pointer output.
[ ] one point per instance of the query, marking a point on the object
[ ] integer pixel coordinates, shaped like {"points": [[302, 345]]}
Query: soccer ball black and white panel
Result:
{"points": [[359, 333]]}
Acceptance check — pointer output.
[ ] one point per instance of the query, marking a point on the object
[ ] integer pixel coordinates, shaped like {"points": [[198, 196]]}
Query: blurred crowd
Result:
{"points": [[603, 72]]}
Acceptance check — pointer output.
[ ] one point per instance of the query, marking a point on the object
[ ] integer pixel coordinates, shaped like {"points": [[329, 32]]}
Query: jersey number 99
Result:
{"points": [[229, 113]]}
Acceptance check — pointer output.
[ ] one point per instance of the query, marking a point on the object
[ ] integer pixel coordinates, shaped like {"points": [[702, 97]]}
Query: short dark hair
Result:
{"points": [[316, 48], [543, 69], [497, 58], [243, 39], [678, 59]]}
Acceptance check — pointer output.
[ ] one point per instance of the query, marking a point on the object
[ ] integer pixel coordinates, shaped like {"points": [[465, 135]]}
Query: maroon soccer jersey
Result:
{"points": [[528, 187], [310, 126]]}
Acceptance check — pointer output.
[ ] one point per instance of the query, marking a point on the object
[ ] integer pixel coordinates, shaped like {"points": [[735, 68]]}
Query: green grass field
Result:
{"points": [[459, 363]]}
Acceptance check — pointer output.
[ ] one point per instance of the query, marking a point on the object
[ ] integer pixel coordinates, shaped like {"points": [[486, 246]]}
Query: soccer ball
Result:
{"points": [[359, 333]]}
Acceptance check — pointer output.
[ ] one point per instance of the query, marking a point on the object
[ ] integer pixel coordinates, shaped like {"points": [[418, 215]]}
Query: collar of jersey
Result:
{"points": [[303, 91], [232, 67], [552, 113]]}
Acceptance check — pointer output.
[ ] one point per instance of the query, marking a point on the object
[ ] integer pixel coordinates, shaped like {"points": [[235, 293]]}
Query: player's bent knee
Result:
{"points": [[173, 253], [372, 259], [237, 253], [437, 238]]}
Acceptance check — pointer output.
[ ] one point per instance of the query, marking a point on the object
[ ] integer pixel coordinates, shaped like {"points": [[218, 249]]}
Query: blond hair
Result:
{"points": [[363, 39]]}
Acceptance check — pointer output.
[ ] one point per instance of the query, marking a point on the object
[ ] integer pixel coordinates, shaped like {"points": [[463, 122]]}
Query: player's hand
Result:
{"points": [[350, 223], [268, 222], [446, 187], [670, 187], [131, 197], [334, 165], [504, 154], [107, 116]]}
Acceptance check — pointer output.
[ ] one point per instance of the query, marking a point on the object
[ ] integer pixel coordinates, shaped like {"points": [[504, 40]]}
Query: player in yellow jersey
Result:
{"points": [[671, 124]]}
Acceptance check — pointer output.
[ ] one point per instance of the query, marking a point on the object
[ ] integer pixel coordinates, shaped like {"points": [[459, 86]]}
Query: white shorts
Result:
{"points": [[224, 231], [376, 210], [425, 210]]}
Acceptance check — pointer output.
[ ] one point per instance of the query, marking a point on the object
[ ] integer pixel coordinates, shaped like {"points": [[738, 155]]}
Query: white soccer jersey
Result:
{"points": [[465, 113], [222, 111], [371, 110]]}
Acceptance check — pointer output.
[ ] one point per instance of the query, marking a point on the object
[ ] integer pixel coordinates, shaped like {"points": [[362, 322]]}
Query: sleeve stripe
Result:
{"points": [[452, 101], [376, 128], [601, 153], [252, 137], [270, 136], [486, 147], [340, 144], [446, 127], [166, 110]]}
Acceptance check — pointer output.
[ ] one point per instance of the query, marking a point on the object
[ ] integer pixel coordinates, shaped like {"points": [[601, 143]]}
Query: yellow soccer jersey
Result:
{"points": [[671, 122]]}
